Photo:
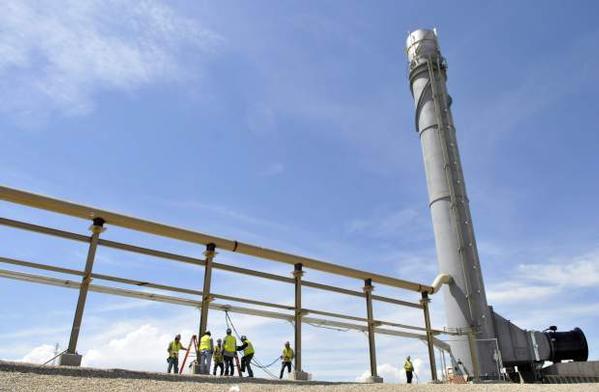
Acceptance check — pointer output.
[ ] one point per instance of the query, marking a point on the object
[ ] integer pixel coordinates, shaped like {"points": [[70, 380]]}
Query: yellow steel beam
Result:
{"points": [[146, 226]]}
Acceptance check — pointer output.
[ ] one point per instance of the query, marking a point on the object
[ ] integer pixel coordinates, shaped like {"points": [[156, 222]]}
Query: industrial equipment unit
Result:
{"points": [[488, 342]]}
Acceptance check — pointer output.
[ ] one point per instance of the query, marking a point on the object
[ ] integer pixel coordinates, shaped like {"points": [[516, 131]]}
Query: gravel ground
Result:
{"points": [[30, 382]]}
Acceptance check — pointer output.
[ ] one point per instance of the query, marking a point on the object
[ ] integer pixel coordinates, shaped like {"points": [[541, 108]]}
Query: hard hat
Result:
{"points": [[218, 340], [286, 343], [243, 338], [178, 336], [228, 331], [208, 333]]}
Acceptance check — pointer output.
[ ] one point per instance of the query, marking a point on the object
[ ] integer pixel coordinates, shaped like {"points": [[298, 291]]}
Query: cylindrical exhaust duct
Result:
{"points": [[465, 299], [567, 345]]}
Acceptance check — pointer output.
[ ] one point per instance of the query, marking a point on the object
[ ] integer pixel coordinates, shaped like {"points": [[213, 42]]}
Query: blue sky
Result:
{"points": [[290, 125]]}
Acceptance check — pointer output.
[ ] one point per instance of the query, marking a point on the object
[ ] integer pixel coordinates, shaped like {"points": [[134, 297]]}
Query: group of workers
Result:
{"points": [[223, 354]]}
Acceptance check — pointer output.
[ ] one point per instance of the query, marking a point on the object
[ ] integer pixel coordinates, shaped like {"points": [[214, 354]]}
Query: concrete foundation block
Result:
{"points": [[374, 380], [68, 359], [195, 368], [298, 375]]}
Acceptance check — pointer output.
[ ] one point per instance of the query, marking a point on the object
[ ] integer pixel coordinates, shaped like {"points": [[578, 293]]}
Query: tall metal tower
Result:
{"points": [[465, 299]]}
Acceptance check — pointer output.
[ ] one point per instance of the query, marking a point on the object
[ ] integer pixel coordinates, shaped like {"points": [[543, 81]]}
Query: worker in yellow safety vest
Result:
{"points": [[248, 354], [205, 349], [409, 368], [229, 352], [218, 357], [286, 358], [173, 354]]}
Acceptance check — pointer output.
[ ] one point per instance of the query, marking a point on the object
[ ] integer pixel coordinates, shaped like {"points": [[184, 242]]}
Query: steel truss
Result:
{"points": [[296, 314]]}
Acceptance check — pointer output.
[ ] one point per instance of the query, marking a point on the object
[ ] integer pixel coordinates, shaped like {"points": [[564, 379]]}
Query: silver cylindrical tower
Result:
{"points": [[465, 299]]}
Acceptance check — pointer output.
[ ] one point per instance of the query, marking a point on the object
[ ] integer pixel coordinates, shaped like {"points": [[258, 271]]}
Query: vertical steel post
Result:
{"points": [[206, 297], [429, 335], [371, 342], [297, 275], [474, 353], [96, 229]]}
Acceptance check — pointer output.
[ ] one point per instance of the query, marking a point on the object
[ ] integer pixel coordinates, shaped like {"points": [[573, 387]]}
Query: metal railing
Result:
{"points": [[297, 314]]}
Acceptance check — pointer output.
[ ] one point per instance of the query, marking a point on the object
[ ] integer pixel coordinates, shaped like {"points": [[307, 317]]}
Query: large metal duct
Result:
{"points": [[465, 299], [528, 351]]}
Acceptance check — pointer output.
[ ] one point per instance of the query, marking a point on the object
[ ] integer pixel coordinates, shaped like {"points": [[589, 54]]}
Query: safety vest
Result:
{"points": [[408, 367], [218, 354], [249, 349], [205, 343], [287, 354], [173, 348], [230, 344]]}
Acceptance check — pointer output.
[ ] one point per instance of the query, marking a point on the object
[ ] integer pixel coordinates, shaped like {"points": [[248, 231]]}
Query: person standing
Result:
{"points": [[409, 368], [218, 357], [173, 354], [229, 352], [286, 358], [248, 354], [206, 349]]}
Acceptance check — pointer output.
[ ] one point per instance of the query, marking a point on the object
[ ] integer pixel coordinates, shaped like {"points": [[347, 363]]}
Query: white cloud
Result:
{"points": [[39, 354], [139, 349], [541, 281], [58, 57], [582, 271]]}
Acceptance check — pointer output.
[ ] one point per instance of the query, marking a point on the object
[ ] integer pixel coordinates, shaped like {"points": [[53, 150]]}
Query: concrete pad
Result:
{"points": [[195, 368], [68, 359], [299, 376], [374, 380]]}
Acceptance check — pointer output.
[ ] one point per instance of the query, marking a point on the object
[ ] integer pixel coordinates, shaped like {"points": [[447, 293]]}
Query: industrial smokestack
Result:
{"points": [[465, 299]]}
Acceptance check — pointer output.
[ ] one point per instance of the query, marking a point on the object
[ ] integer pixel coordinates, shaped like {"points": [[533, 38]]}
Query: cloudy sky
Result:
{"points": [[290, 124]]}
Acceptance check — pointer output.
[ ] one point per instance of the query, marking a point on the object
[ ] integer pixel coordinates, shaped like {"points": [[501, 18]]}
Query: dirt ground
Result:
{"points": [[14, 381]]}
